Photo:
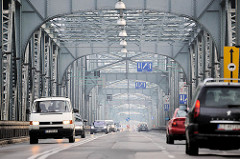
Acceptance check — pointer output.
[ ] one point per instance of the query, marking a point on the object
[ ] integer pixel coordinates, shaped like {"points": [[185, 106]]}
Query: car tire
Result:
{"points": [[83, 134], [33, 140], [71, 139], [192, 148], [169, 139], [106, 132]]}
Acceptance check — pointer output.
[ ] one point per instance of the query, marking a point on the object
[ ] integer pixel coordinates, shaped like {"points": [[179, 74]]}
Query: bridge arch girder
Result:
{"points": [[205, 12]]}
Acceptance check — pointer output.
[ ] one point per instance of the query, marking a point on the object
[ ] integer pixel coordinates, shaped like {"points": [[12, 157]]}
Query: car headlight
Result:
{"points": [[67, 122], [34, 122], [92, 127], [104, 127], [78, 127]]}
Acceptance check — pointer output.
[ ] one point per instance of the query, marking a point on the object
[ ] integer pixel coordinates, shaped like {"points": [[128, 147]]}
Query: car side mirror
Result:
{"points": [[84, 120], [75, 110]]}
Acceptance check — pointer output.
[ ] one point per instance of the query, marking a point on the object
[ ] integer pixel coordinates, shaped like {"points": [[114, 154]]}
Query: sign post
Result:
{"points": [[231, 63], [182, 93]]}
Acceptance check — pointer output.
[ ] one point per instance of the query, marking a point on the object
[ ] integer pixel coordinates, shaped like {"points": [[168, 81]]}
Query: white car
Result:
{"points": [[52, 117], [111, 125]]}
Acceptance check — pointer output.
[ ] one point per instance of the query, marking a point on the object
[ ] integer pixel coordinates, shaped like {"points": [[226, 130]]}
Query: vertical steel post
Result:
{"points": [[7, 36], [196, 62], [25, 79], [204, 51], [18, 42], [1, 47], [237, 12], [238, 22]]}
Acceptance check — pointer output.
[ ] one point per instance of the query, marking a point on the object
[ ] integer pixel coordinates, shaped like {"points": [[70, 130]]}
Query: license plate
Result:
{"points": [[51, 131], [228, 127]]}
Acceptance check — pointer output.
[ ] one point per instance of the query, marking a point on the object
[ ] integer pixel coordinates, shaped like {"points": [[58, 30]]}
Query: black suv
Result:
{"points": [[214, 118]]}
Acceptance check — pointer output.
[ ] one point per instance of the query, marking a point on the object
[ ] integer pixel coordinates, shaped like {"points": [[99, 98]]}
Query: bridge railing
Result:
{"points": [[13, 129]]}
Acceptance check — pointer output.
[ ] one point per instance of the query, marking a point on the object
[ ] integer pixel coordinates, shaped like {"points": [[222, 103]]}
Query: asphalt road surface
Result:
{"points": [[120, 145]]}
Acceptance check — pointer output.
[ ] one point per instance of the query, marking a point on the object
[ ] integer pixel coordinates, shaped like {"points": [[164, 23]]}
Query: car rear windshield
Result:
{"points": [[99, 123], [51, 106], [220, 96], [181, 113]]}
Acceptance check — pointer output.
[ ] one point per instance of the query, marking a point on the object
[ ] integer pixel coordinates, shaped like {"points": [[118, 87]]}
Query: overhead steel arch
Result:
{"points": [[179, 51], [180, 59], [35, 13], [160, 77]]}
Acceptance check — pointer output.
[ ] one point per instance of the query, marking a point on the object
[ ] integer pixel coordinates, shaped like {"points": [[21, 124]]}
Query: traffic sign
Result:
{"points": [[144, 66], [139, 85], [127, 119], [166, 99], [167, 118], [166, 107], [231, 62], [182, 98]]}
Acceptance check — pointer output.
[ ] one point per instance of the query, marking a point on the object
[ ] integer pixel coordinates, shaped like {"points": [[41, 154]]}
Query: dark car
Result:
{"points": [[214, 119], [175, 129], [99, 126], [143, 127], [79, 126]]}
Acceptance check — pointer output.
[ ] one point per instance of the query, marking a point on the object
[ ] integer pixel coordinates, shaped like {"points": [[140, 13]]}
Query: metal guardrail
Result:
{"points": [[13, 129]]}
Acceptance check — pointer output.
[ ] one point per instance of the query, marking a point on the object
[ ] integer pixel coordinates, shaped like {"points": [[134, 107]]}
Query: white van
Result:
{"points": [[51, 117]]}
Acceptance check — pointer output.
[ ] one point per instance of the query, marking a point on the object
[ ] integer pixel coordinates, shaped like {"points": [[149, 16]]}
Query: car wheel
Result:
{"points": [[83, 135], [106, 132], [171, 140], [191, 148], [33, 140], [71, 139], [167, 139], [186, 148]]}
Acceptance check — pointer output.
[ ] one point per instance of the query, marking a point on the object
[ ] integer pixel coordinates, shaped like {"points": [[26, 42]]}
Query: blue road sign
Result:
{"points": [[144, 66], [167, 118], [139, 85], [127, 119], [182, 99], [166, 107]]}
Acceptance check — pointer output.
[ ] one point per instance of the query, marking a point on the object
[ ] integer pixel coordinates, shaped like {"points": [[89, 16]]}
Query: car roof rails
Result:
{"points": [[229, 80]]}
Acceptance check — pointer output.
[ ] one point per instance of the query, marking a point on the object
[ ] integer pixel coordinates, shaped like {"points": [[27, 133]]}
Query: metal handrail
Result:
{"points": [[13, 129], [220, 79]]}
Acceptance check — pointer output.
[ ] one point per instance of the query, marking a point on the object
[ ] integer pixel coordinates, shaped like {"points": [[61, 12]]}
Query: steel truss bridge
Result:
{"points": [[71, 48]]}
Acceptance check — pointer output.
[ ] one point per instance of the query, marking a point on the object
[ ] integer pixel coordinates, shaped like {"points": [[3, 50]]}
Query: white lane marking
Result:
{"points": [[161, 147], [171, 156], [45, 154]]}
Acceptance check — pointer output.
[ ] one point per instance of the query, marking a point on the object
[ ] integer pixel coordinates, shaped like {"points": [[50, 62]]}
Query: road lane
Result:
{"points": [[127, 145]]}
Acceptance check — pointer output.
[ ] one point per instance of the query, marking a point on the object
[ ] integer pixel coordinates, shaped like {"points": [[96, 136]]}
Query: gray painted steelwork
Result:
{"points": [[53, 47]]}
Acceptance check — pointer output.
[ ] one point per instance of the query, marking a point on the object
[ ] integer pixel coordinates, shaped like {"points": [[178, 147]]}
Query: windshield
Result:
{"points": [[51, 106], [221, 96], [99, 123], [181, 113]]}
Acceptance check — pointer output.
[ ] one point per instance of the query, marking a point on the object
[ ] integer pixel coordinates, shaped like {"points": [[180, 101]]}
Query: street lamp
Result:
{"points": [[120, 5], [121, 22], [123, 33], [124, 50], [123, 43]]}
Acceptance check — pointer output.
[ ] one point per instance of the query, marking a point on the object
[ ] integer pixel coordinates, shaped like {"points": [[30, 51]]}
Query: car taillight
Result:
{"points": [[197, 109], [174, 123]]}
